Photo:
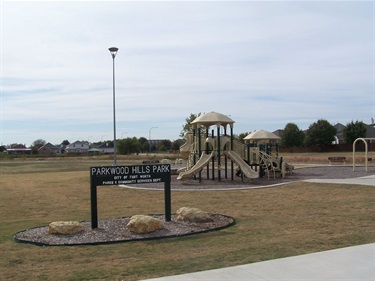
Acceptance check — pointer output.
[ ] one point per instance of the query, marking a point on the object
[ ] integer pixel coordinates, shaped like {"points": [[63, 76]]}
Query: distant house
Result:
{"points": [[49, 149], [77, 147], [370, 132], [279, 132], [154, 143], [18, 149], [340, 133], [106, 148]]}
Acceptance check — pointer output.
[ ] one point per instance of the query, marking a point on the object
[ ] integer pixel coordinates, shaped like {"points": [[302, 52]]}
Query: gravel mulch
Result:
{"points": [[115, 230]]}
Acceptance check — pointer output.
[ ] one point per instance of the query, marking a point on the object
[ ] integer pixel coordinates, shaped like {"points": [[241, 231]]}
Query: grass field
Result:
{"points": [[294, 219]]}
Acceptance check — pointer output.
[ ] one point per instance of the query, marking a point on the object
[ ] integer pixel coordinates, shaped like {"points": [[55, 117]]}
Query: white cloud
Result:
{"points": [[264, 63]]}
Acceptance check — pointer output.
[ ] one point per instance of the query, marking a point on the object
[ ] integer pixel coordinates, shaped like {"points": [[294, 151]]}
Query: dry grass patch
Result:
{"points": [[322, 158], [271, 223]]}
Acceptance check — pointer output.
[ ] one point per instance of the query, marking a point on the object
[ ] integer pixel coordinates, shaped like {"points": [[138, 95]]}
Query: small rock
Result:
{"points": [[193, 215], [65, 227], [144, 224]]}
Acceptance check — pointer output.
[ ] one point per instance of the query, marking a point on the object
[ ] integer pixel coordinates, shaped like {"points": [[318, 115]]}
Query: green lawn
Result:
{"points": [[271, 223]]}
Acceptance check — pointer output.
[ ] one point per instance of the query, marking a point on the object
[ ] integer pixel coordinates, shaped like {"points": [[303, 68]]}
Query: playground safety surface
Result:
{"points": [[300, 174]]}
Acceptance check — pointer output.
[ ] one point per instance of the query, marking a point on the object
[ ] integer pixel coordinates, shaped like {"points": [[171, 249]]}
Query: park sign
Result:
{"points": [[124, 175], [117, 175]]}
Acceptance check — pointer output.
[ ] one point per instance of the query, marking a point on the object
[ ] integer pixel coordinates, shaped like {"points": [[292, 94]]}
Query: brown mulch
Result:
{"points": [[300, 174]]}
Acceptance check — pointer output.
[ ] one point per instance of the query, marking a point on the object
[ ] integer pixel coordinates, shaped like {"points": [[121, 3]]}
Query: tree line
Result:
{"points": [[319, 133], [123, 146], [142, 145]]}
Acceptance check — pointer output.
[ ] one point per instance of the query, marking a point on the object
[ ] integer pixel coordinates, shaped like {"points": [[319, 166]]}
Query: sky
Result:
{"points": [[262, 63]]}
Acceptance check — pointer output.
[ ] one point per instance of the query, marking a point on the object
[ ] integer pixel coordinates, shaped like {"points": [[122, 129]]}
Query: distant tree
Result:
{"points": [[187, 126], [39, 143], [164, 145], [143, 144], [320, 133], [354, 130], [176, 144], [65, 142], [241, 137], [2, 148], [36, 145], [122, 146], [128, 146], [17, 145], [292, 136]]}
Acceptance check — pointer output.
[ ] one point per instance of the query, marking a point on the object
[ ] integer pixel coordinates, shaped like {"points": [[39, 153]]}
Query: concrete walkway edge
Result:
{"points": [[355, 263], [368, 180]]}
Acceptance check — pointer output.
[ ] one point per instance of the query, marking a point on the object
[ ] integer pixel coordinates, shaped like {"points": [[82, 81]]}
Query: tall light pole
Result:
{"points": [[113, 51], [149, 138]]}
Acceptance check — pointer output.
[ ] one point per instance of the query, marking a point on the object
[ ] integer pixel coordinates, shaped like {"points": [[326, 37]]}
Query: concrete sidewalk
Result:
{"points": [[368, 180], [347, 264]]}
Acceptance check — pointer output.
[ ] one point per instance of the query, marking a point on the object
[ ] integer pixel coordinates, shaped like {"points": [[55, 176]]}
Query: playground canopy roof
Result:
{"points": [[212, 118], [261, 135]]}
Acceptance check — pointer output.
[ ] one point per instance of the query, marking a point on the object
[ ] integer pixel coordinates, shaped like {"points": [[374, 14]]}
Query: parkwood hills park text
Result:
{"points": [[114, 175]]}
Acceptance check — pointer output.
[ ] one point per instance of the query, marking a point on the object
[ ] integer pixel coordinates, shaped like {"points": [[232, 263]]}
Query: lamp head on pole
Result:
{"points": [[113, 51]]}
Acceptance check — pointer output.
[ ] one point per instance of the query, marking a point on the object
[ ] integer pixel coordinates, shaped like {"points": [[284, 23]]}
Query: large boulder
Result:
{"points": [[144, 224], [193, 215], [65, 227]]}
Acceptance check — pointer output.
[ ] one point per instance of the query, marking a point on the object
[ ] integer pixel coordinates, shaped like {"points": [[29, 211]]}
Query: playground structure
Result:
{"points": [[216, 151]]}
